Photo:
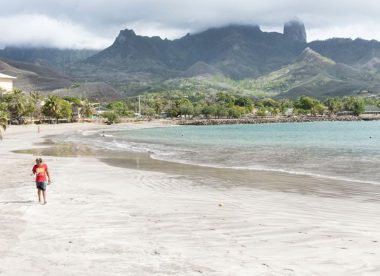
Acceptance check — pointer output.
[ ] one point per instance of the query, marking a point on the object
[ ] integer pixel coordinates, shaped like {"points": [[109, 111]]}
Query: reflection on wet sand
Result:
{"points": [[222, 177]]}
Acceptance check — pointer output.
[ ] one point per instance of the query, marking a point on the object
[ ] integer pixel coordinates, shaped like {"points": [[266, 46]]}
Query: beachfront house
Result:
{"points": [[6, 83]]}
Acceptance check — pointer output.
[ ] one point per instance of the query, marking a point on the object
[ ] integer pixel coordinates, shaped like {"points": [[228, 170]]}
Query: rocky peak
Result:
{"points": [[310, 56], [124, 35], [295, 30]]}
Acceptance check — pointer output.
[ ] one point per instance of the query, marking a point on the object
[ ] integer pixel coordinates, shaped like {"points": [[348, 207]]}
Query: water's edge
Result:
{"points": [[219, 177]]}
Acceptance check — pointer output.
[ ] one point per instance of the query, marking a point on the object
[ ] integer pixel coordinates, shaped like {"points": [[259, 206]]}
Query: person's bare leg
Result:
{"points": [[39, 195], [44, 195]]}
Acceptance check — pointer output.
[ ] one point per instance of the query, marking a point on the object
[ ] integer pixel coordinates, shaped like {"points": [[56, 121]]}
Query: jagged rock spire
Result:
{"points": [[295, 30], [124, 35]]}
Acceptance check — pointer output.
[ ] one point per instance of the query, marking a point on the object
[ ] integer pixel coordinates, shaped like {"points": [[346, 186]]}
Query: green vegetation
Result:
{"points": [[57, 108], [309, 74], [233, 105], [356, 105], [120, 108], [18, 105], [306, 105], [19, 108], [3, 124], [192, 104], [111, 117], [87, 109]]}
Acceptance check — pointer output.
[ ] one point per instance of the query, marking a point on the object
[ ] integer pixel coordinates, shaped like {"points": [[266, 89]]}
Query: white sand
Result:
{"points": [[103, 220]]}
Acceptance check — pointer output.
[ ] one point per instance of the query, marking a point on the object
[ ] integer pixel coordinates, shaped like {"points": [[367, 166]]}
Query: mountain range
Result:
{"points": [[236, 58]]}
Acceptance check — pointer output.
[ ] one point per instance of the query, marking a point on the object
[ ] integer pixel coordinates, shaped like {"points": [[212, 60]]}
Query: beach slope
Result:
{"points": [[105, 220]]}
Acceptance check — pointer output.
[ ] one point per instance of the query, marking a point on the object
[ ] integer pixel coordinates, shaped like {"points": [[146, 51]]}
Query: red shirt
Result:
{"points": [[40, 172]]}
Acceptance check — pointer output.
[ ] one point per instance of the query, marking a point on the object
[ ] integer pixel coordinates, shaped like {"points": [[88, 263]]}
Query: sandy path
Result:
{"points": [[103, 220]]}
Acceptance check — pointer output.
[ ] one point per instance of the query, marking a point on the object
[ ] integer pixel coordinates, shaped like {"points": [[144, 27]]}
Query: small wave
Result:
{"points": [[265, 169], [315, 175], [87, 132], [184, 155], [106, 135], [171, 155]]}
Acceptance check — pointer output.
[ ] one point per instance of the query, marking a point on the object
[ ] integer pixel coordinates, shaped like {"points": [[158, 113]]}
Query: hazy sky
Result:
{"points": [[96, 23]]}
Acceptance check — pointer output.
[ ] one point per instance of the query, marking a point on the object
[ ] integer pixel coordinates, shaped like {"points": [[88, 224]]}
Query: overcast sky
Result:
{"points": [[96, 23]]}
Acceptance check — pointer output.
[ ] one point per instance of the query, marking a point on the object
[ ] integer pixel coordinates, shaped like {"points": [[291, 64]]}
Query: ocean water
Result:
{"points": [[342, 150]]}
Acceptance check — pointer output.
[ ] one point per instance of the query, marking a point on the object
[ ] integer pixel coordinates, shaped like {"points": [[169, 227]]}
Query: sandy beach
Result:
{"points": [[108, 218]]}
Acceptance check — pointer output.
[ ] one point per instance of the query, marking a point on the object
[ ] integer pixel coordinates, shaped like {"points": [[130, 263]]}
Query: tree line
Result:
{"points": [[16, 107], [226, 105]]}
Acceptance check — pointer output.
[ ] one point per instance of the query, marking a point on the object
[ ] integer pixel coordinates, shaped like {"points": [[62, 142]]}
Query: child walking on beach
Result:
{"points": [[41, 171]]}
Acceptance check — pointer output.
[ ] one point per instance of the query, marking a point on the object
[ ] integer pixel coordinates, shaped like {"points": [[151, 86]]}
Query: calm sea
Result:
{"points": [[343, 150]]}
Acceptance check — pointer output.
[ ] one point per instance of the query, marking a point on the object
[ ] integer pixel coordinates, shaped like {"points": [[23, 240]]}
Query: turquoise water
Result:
{"points": [[344, 150]]}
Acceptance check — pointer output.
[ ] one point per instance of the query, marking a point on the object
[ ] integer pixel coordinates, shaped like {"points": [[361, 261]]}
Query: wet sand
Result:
{"points": [[227, 178], [110, 214]]}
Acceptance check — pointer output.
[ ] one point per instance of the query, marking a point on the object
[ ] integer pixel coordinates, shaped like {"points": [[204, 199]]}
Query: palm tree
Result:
{"points": [[18, 105], [36, 99], [52, 107], [87, 109], [3, 125], [333, 105]]}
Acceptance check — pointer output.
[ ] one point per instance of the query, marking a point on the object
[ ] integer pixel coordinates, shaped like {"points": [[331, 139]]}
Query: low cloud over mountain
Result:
{"points": [[94, 24]]}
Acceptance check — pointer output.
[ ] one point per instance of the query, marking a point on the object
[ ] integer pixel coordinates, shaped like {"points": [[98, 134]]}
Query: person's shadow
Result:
{"points": [[18, 202]]}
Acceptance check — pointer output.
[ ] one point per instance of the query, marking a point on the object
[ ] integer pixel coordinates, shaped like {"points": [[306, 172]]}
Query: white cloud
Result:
{"points": [[367, 30], [95, 24], [41, 30], [145, 28]]}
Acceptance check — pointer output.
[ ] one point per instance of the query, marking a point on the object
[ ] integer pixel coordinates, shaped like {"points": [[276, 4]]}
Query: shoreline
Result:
{"points": [[302, 183], [109, 220], [224, 121], [278, 119]]}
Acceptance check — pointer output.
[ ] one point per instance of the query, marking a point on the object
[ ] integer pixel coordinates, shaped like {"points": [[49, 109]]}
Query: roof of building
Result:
{"points": [[3, 76]]}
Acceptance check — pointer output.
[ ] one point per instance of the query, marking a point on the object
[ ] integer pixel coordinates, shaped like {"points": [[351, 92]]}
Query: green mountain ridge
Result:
{"points": [[236, 51], [236, 58], [311, 74]]}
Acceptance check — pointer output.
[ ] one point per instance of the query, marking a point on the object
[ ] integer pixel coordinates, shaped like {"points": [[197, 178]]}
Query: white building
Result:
{"points": [[6, 82]]}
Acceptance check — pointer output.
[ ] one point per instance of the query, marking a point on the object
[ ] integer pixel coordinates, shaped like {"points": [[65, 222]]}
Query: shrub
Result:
{"points": [[111, 117]]}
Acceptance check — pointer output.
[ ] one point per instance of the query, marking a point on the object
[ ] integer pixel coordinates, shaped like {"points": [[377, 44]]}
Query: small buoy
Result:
{"points": [[220, 204], [370, 137]]}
